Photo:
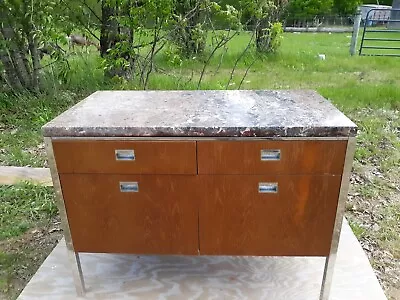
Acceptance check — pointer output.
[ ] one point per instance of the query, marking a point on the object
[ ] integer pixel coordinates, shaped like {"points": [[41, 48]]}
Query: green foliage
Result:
{"points": [[381, 2], [276, 36], [29, 29], [265, 15], [300, 9], [189, 39], [130, 28], [228, 18], [346, 7]]}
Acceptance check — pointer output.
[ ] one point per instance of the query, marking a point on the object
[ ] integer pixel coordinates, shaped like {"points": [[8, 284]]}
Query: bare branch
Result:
{"points": [[91, 10], [82, 22], [220, 44], [245, 74], [220, 60], [239, 58]]}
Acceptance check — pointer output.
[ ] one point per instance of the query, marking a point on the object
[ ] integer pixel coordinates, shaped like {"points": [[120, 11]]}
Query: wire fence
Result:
{"points": [[320, 21]]}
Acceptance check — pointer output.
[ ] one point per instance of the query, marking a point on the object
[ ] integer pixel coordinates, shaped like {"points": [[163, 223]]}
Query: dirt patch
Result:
{"points": [[373, 211], [21, 257]]}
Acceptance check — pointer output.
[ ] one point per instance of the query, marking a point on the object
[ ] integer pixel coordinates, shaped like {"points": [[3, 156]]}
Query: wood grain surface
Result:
{"points": [[297, 157], [152, 157], [162, 218], [235, 219]]}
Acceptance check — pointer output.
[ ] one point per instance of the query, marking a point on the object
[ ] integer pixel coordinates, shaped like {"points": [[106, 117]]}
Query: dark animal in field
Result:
{"points": [[75, 39]]}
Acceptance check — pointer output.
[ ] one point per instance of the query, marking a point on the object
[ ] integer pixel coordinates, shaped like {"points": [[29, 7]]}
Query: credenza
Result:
{"points": [[241, 173]]}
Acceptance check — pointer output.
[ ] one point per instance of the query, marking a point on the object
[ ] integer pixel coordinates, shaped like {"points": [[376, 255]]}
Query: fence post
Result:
{"points": [[356, 29]]}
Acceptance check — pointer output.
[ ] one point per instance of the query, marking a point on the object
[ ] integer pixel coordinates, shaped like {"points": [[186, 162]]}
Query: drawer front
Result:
{"points": [[140, 214], [271, 157], [125, 157], [267, 215]]}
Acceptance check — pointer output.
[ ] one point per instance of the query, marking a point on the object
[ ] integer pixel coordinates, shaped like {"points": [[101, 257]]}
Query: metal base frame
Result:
{"points": [[344, 188], [72, 255], [330, 260]]}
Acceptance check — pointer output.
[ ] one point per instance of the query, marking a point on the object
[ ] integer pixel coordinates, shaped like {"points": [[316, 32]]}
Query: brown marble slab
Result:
{"points": [[232, 113]]}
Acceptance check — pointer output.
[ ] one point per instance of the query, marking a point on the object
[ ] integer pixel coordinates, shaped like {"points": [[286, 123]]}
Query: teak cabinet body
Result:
{"points": [[232, 172], [211, 197]]}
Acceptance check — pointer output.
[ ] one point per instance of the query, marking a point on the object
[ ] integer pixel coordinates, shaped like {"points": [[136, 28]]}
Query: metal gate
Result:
{"points": [[381, 36]]}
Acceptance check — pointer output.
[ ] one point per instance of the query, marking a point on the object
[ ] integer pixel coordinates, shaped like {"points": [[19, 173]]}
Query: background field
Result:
{"points": [[367, 89]]}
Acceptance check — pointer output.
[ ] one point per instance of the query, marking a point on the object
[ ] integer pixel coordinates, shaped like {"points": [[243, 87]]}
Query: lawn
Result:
{"points": [[367, 89]]}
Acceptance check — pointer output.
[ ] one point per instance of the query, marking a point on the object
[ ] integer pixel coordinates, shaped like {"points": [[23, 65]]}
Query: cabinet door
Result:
{"points": [[143, 214], [267, 215]]}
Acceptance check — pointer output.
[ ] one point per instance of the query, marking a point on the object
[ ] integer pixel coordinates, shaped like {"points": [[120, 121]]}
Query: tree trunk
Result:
{"points": [[190, 41], [263, 37], [109, 28], [110, 35], [11, 76], [35, 61], [17, 55]]}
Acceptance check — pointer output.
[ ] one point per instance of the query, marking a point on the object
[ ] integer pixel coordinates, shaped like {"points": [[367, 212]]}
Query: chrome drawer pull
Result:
{"points": [[129, 187], [268, 155], [267, 188], [124, 154]]}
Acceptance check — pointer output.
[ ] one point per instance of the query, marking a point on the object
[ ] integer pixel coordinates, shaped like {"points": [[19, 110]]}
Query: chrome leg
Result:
{"points": [[344, 188], [77, 272], [327, 278], [72, 255]]}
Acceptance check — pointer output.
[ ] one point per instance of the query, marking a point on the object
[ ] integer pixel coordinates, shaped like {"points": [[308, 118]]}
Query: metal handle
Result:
{"points": [[268, 155], [268, 188], [129, 187], [125, 155]]}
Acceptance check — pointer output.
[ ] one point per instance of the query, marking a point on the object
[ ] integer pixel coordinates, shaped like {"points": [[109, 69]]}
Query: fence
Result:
{"points": [[322, 23], [381, 33]]}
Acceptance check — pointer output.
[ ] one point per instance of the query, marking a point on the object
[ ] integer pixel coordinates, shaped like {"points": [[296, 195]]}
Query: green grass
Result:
{"points": [[23, 206], [358, 231], [365, 88]]}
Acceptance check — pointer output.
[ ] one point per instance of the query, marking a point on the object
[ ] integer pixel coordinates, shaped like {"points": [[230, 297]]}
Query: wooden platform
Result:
{"points": [[111, 276], [13, 175]]}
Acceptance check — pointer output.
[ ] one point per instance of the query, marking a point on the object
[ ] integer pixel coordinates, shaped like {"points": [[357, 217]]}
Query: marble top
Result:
{"points": [[239, 113]]}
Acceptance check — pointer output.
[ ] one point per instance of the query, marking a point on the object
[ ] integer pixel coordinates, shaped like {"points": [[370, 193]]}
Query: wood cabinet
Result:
{"points": [[238, 203], [261, 173]]}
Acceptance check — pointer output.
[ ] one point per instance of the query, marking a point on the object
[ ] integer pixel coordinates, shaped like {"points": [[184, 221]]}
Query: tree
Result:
{"points": [[300, 9], [189, 20], [346, 7], [132, 33], [265, 16], [25, 28], [381, 2]]}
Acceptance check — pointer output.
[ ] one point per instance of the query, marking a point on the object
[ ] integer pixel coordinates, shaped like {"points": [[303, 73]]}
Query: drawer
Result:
{"points": [[125, 157], [271, 157], [112, 214], [267, 215]]}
